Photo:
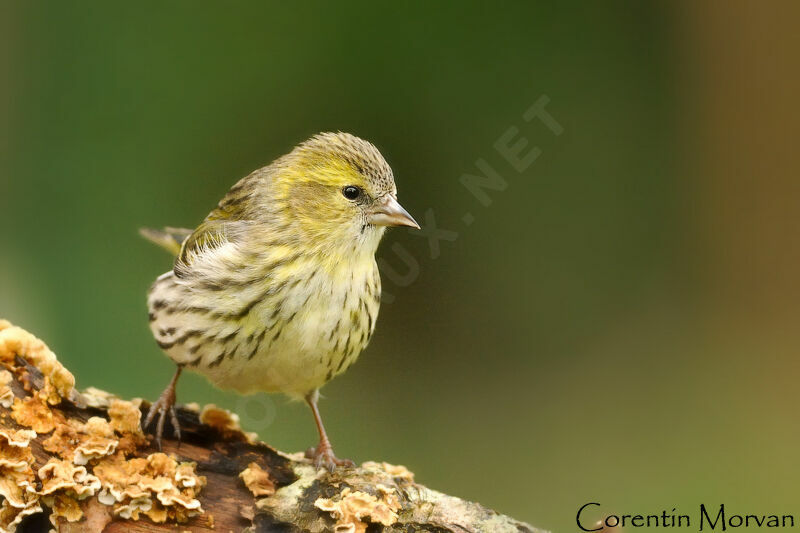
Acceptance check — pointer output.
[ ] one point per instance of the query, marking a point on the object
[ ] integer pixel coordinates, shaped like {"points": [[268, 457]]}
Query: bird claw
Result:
{"points": [[322, 457], [164, 406]]}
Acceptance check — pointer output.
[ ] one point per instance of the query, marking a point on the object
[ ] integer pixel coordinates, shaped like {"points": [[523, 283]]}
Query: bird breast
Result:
{"points": [[289, 331]]}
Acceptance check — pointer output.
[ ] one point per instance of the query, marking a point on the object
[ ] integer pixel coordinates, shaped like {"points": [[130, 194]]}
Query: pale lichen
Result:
{"points": [[398, 472], [94, 397]]}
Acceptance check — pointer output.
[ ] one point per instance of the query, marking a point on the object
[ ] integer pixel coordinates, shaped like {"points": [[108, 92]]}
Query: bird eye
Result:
{"points": [[351, 192]]}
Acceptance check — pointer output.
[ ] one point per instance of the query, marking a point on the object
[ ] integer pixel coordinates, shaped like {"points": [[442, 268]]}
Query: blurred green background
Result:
{"points": [[618, 326]]}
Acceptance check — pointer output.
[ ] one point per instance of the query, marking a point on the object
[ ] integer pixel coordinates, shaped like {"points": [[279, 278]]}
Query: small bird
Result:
{"points": [[278, 290]]}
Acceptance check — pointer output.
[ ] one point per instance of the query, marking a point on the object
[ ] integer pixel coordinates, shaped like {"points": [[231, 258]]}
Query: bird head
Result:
{"points": [[340, 189]]}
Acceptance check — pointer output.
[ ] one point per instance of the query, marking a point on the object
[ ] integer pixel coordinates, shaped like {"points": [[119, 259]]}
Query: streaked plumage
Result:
{"points": [[277, 290]]}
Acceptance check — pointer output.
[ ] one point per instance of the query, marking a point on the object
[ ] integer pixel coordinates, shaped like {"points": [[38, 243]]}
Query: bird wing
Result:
{"points": [[209, 235], [167, 238]]}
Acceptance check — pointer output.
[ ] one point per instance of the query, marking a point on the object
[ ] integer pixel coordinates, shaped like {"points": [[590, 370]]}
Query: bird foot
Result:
{"points": [[323, 457], [165, 405]]}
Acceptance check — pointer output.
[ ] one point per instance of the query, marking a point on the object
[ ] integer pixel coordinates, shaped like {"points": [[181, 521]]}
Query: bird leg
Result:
{"points": [[323, 453], [165, 404]]}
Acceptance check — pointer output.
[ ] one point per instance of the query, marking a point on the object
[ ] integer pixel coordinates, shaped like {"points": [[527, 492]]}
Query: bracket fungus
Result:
{"points": [[86, 456], [354, 510]]}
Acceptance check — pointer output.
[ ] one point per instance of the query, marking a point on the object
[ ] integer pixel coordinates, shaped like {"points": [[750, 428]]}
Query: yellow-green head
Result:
{"points": [[333, 190]]}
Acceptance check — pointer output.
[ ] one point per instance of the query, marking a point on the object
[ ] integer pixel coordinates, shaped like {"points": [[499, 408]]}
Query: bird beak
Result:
{"points": [[388, 212]]}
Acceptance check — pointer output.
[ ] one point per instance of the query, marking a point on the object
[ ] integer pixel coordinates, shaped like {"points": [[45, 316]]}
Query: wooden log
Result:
{"points": [[79, 462]]}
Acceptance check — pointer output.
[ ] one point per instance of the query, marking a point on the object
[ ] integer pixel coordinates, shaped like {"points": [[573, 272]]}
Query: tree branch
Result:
{"points": [[80, 462]]}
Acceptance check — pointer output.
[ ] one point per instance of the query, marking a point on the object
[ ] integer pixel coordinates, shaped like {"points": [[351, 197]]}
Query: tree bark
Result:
{"points": [[90, 468]]}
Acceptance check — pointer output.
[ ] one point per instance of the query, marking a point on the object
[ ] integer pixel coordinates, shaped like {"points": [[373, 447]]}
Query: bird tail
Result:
{"points": [[167, 238]]}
